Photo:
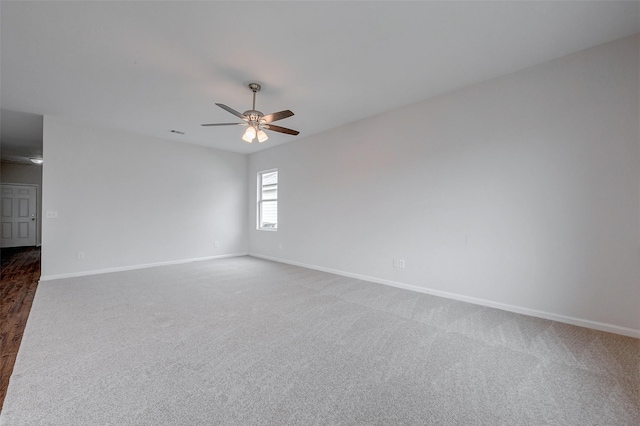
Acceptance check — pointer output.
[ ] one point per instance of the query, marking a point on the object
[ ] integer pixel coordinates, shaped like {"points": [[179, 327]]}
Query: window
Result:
{"points": [[268, 200]]}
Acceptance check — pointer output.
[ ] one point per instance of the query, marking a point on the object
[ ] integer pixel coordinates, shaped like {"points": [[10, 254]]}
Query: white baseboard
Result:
{"points": [[132, 267], [610, 328]]}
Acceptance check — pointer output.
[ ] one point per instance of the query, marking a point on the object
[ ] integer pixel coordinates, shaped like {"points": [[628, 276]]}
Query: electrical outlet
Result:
{"points": [[80, 255], [398, 263], [215, 244]]}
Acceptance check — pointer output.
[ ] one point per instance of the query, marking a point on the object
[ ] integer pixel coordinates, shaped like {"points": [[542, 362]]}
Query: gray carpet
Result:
{"points": [[245, 341]]}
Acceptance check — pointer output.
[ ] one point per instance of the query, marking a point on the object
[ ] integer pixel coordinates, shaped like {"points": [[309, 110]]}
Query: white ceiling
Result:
{"points": [[149, 67]]}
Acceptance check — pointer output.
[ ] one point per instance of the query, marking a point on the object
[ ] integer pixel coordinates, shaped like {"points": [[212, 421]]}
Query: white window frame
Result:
{"points": [[260, 200]]}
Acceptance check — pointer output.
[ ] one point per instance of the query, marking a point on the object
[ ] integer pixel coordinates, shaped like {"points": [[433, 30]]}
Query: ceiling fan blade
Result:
{"points": [[281, 129], [224, 124], [277, 116], [232, 111]]}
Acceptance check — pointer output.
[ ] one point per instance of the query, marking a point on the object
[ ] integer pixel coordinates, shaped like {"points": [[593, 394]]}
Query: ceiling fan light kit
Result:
{"points": [[262, 136], [249, 134], [256, 121]]}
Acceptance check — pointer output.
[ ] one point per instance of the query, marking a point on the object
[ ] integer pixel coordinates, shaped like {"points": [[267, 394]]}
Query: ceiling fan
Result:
{"points": [[257, 121]]}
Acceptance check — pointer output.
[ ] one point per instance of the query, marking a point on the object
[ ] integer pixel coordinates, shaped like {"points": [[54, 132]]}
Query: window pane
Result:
{"points": [[270, 192], [268, 200], [270, 178], [269, 214]]}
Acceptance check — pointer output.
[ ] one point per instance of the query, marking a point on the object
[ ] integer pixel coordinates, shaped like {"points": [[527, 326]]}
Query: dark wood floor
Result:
{"points": [[19, 279]]}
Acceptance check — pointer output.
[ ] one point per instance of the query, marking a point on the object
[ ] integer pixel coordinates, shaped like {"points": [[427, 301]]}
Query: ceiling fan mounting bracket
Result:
{"points": [[255, 87]]}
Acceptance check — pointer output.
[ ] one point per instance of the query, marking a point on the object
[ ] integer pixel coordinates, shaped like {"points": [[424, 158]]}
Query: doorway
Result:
{"points": [[21, 140]]}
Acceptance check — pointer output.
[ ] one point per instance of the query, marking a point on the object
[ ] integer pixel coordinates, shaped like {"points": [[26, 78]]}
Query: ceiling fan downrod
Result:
{"points": [[255, 88]]}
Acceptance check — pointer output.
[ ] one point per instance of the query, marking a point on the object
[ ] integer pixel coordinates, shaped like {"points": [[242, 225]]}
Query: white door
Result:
{"points": [[19, 215]]}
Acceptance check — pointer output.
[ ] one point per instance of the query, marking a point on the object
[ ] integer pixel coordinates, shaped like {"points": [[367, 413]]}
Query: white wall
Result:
{"points": [[26, 174], [127, 200], [521, 192]]}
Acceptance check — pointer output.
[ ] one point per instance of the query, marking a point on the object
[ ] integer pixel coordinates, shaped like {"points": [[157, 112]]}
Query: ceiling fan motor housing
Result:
{"points": [[255, 117]]}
